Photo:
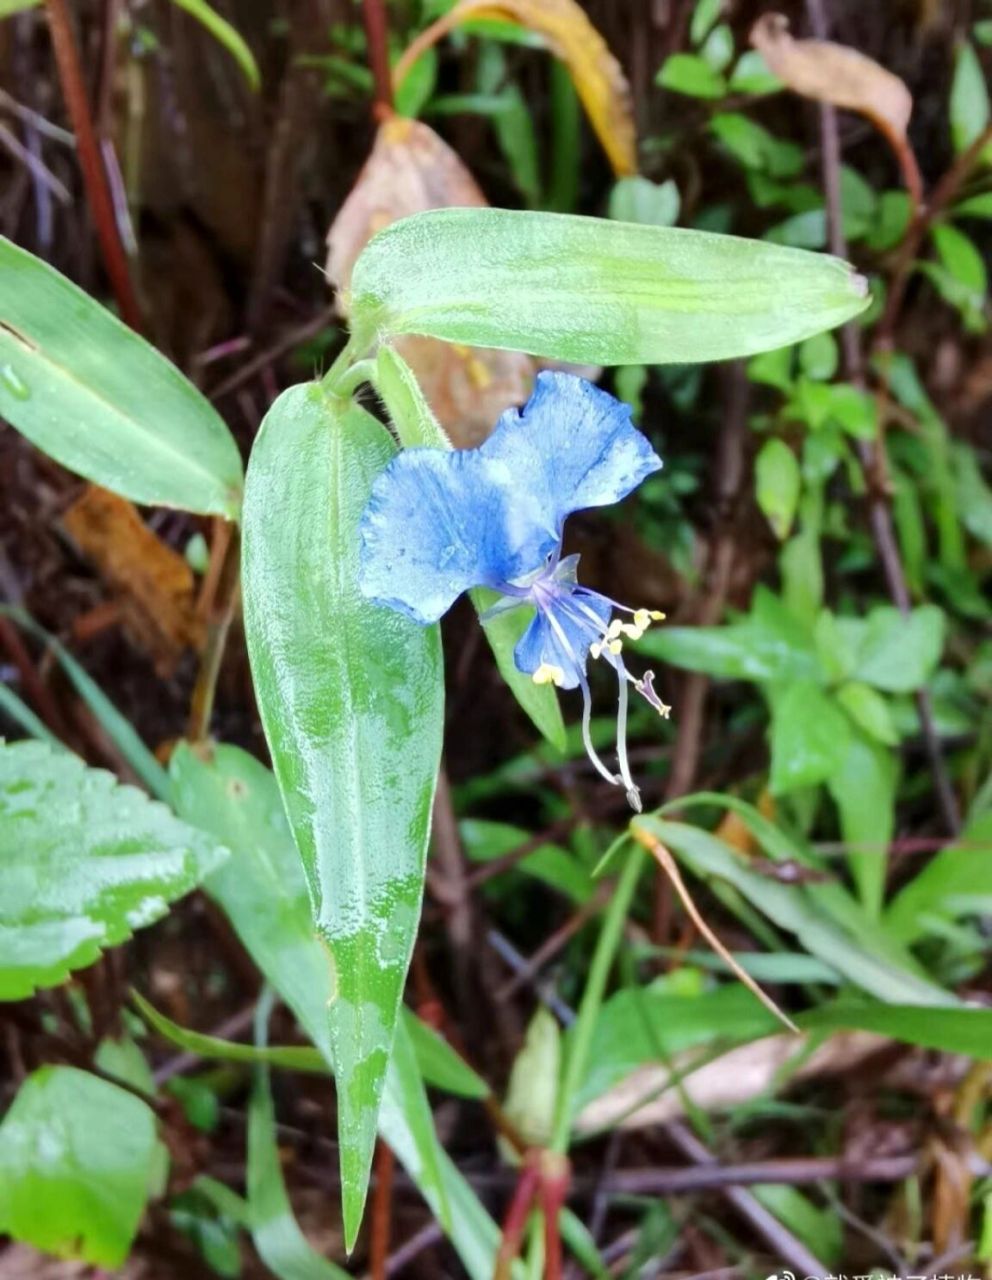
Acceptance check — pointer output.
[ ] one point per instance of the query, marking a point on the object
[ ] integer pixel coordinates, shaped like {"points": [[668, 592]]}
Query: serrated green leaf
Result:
{"points": [[594, 291], [350, 695], [85, 861], [77, 1157], [100, 400], [230, 794]]}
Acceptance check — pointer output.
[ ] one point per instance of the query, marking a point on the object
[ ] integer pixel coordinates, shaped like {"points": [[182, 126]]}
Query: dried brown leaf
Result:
{"points": [[646, 1097], [411, 169], [843, 77], [154, 584], [565, 28]]}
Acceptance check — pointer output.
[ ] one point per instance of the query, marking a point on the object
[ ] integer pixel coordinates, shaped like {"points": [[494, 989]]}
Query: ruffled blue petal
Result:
{"points": [[565, 645], [439, 522], [573, 445]]}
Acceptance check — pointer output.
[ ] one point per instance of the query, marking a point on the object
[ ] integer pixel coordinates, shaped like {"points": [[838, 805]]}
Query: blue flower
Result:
{"points": [[439, 522]]}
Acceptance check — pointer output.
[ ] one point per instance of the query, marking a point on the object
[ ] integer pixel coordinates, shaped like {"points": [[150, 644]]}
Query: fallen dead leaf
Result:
{"points": [[412, 169], [566, 30], [153, 583], [735, 1077], [840, 75]]}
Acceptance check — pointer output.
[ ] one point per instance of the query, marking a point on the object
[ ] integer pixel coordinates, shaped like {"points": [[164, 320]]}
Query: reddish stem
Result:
{"points": [[377, 34], [555, 1177], [527, 1189], [382, 1211], [95, 181]]}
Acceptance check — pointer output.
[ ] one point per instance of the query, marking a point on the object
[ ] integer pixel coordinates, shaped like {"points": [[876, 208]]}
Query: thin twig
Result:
{"points": [[872, 454], [792, 1171], [425, 1238], [39, 170], [91, 162], [34, 686], [787, 1248], [550, 947]]}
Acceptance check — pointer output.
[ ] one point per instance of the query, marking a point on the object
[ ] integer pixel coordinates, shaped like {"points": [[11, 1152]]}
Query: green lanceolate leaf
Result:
{"points": [[225, 34], [594, 291], [114, 724], [265, 897], [281, 1244], [97, 398], [350, 696], [417, 427], [439, 1064], [84, 863], [77, 1157]]}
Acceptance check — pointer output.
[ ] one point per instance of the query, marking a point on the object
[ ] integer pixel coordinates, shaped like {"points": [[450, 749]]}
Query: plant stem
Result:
{"points": [[377, 34], [592, 996], [91, 162], [221, 608]]}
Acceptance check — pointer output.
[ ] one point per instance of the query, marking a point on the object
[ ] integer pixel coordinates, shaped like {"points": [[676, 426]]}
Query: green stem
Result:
{"points": [[352, 378], [592, 997]]}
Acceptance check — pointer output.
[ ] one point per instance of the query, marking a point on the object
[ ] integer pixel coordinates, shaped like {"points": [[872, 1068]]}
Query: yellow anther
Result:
{"points": [[614, 646], [547, 673], [614, 629], [595, 649], [642, 620], [657, 615]]}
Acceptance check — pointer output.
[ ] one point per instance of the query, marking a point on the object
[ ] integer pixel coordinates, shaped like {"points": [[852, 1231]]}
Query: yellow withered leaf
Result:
{"points": [[566, 30], [152, 583], [843, 77], [411, 169]]}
